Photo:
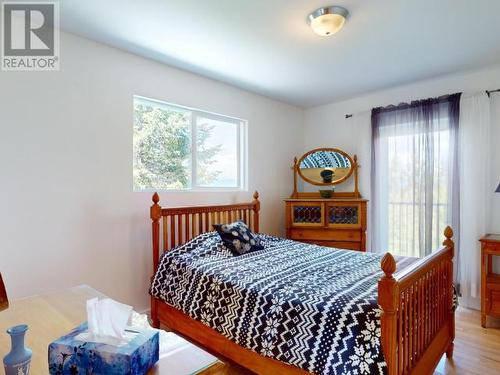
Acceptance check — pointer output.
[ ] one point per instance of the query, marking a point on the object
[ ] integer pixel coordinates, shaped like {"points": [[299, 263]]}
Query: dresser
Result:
{"points": [[326, 217], [490, 281], [332, 222]]}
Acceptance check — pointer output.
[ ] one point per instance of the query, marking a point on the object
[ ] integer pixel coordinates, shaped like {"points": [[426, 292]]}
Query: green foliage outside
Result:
{"points": [[162, 149], [206, 155]]}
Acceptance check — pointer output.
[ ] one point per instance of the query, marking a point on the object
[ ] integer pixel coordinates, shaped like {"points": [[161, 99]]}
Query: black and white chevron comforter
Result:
{"points": [[310, 306]]}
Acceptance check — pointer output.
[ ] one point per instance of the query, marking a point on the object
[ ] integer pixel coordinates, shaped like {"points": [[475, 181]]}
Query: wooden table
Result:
{"points": [[52, 315], [490, 282]]}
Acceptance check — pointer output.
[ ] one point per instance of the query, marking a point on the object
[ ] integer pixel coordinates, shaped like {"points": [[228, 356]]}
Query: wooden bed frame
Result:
{"points": [[417, 319]]}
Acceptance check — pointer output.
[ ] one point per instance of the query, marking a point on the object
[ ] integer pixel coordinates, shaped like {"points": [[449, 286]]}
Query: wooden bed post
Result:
{"points": [[256, 209], [387, 299], [155, 213], [448, 242]]}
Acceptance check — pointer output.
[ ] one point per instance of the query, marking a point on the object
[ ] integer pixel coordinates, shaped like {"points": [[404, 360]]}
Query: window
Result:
{"points": [[180, 148]]}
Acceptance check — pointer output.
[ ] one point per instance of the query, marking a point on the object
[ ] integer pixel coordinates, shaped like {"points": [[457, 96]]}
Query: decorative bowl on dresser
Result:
{"points": [[339, 221]]}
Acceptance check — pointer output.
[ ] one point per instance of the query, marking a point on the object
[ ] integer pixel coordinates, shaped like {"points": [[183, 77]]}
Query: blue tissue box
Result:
{"points": [[70, 356]]}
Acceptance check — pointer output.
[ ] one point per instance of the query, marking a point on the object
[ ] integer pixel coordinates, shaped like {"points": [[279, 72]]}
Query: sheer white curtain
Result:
{"points": [[414, 175], [475, 153]]}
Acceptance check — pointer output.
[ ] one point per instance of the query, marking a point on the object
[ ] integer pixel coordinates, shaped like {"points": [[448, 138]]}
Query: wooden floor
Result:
{"points": [[477, 350]]}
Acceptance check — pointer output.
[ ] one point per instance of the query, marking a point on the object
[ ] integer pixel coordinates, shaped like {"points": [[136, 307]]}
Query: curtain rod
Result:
{"points": [[488, 92]]}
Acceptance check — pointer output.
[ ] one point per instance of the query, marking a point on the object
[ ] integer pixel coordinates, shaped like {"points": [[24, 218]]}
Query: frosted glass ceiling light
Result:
{"points": [[328, 20]]}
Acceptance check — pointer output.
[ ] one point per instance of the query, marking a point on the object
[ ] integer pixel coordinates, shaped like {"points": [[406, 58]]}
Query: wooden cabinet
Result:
{"points": [[333, 222], [490, 282], [326, 217]]}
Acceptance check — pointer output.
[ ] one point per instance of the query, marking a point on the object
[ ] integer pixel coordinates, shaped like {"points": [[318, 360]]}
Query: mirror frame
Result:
{"points": [[343, 153]]}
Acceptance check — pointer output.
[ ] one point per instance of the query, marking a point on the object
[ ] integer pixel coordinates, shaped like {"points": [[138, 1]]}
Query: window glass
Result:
{"points": [[178, 148]]}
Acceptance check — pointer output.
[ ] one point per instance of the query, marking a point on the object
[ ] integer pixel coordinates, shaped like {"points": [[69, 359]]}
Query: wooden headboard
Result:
{"points": [[180, 224]]}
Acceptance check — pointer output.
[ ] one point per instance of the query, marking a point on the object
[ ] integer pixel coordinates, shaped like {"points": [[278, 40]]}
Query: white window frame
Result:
{"points": [[241, 150]]}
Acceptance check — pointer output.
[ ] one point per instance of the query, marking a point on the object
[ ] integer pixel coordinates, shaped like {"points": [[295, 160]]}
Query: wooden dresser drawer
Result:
{"points": [[495, 302], [325, 235]]}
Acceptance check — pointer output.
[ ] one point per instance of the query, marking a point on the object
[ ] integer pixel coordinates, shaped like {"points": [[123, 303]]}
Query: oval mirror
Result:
{"points": [[325, 166]]}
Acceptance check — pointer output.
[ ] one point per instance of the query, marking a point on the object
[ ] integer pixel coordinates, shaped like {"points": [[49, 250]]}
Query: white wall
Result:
{"points": [[327, 126], [67, 211]]}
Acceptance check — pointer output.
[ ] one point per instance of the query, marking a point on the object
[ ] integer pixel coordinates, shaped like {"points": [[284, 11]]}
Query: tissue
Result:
{"points": [[107, 322]]}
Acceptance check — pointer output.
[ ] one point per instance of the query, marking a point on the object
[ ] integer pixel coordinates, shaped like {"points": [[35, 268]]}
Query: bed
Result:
{"points": [[370, 319]]}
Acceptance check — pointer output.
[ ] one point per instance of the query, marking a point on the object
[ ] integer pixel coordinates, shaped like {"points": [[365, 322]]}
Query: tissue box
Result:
{"points": [[70, 356]]}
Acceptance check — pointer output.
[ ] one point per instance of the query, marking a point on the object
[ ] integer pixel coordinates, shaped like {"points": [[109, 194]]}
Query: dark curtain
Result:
{"points": [[415, 175]]}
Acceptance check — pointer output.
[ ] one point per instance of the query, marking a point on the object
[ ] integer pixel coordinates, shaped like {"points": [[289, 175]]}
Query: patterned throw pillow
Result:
{"points": [[238, 238]]}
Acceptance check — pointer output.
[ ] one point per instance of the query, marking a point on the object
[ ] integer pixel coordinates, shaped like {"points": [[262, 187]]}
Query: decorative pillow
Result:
{"points": [[238, 238]]}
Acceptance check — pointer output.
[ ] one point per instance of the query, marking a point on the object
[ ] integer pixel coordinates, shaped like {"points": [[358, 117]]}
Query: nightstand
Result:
{"points": [[490, 282]]}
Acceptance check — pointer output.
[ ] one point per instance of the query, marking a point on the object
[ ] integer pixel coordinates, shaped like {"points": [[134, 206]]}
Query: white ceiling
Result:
{"points": [[266, 46]]}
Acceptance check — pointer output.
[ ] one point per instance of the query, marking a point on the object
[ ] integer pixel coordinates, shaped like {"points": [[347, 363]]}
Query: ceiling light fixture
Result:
{"points": [[328, 20]]}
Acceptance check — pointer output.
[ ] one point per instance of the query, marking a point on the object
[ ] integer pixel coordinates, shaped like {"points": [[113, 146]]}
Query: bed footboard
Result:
{"points": [[417, 317]]}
